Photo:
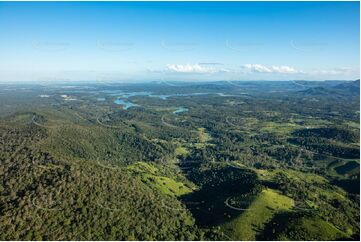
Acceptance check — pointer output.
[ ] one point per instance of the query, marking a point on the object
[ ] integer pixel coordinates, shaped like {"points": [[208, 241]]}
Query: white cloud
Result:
{"points": [[195, 68], [258, 68], [284, 69]]}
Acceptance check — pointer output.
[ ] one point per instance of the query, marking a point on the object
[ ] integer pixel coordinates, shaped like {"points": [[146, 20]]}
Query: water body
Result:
{"points": [[149, 94], [127, 94], [100, 99], [221, 94], [163, 97], [180, 110], [125, 104]]}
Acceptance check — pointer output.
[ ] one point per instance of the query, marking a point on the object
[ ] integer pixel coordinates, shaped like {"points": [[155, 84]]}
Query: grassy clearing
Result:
{"points": [[311, 229], [302, 177], [316, 122], [166, 185], [266, 175], [353, 124], [318, 182], [298, 176], [248, 224], [143, 167], [181, 151], [150, 175], [203, 138], [284, 128]]}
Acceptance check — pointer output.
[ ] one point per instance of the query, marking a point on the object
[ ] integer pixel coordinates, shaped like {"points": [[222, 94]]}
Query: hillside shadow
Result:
{"points": [[208, 204]]}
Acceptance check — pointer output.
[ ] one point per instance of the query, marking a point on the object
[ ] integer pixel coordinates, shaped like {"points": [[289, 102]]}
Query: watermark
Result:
{"points": [[109, 206], [176, 118], [178, 46], [236, 122], [36, 122], [239, 204], [187, 206], [229, 122], [80, 117], [302, 165], [50, 46], [306, 205], [50, 80], [189, 165], [46, 203], [103, 78], [108, 165], [101, 122], [227, 236], [307, 47], [115, 46], [242, 46], [245, 170], [165, 79]]}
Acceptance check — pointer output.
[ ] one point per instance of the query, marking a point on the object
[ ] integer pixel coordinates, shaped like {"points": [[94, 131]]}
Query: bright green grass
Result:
{"points": [[181, 151], [353, 124], [316, 122], [266, 205], [311, 229], [143, 167], [266, 175], [301, 177], [269, 175], [305, 177], [166, 185], [150, 175], [203, 139], [284, 128], [310, 178]]}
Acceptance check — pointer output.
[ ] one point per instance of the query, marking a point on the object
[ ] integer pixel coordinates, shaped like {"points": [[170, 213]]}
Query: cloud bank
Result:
{"points": [[258, 68], [194, 69]]}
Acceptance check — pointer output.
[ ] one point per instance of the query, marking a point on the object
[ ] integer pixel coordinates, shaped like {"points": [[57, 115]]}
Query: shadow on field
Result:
{"points": [[208, 204]]}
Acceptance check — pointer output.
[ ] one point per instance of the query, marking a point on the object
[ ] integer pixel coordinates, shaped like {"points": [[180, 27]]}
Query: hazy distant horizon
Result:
{"points": [[92, 82]]}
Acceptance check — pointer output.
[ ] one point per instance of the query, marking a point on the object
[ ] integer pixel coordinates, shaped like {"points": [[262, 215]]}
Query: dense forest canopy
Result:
{"points": [[180, 161]]}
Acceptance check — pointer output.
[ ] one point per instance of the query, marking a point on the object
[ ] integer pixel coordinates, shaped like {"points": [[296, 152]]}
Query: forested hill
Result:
{"points": [[351, 88]]}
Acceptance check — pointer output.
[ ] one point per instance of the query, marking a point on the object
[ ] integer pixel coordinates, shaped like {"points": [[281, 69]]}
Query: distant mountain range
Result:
{"points": [[340, 89]]}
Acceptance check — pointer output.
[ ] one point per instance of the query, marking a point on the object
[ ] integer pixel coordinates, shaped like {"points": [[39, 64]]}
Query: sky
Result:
{"points": [[179, 41]]}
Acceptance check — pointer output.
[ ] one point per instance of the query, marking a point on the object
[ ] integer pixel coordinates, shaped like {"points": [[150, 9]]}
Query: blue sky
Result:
{"points": [[146, 41]]}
